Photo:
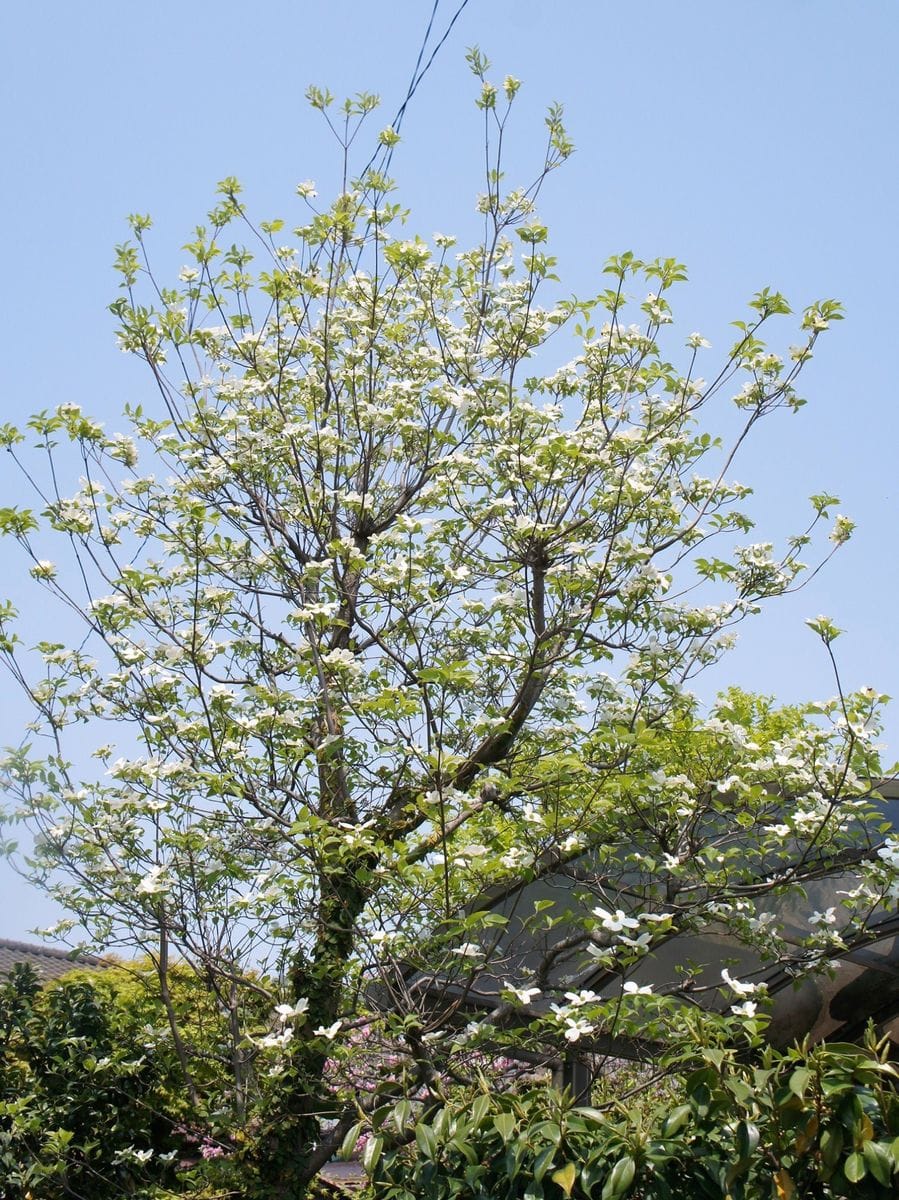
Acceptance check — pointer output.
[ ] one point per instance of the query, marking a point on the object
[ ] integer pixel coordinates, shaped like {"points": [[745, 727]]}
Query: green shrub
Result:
{"points": [[76, 1111], [806, 1123]]}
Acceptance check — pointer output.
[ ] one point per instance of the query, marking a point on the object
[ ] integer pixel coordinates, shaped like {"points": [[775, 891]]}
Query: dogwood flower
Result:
{"points": [[523, 995], [746, 1009], [468, 950], [576, 1028], [328, 1031], [577, 999], [276, 1041], [288, 1012], [152, 883], [615, 922], [828, 917], [740, 986]]}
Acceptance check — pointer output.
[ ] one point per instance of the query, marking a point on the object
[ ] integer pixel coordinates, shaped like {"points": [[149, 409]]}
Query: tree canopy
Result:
{"points": [[397, 595]]}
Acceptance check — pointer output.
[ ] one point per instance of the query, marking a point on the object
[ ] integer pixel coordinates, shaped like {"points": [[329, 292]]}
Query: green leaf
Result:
{"points": [[676, 1120], [854, 1167], [457, 674], [799, 1081], [401, 1115], [547, 1129], [747, 1139], [348, 1145], [620, 1179], [17, 521], [878, 1161], [592, 1114], [505, 1125], [372, 1153], [543, 1162], [426, 1140]]}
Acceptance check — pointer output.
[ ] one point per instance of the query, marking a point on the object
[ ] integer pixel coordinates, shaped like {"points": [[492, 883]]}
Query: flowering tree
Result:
{"points": [[401, 612]]}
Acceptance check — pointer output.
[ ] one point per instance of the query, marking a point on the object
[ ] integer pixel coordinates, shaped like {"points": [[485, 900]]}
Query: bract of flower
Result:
{"points": [[827, 917], [739, 986], [578, 999], [747, 1009], [329, 1032], [576, 1028], [289, 1012], [468, 950], [523, 995], [615, 922], [153, 883]]}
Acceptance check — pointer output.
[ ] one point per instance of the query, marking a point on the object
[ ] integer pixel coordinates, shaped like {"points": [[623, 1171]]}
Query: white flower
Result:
{"points": [[740, 986], [576, 999], [615, 922], [468, 950], [131, 1154], [842, 529], [276, 1041], [746, 1009], [889, 852], [523, 995], [306, 189], [43, 569], [697, 341], [641, 943], [152, 883], [329, 1032], [634, 989], [515, 858], [341, 658], [287, 1012], [576, 1028], [828, 917]]}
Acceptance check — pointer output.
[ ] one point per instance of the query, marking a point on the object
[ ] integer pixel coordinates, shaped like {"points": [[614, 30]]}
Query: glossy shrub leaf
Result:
{"points": [[621, 1178], [878, 1161], [505, 1125], [372, 1152], [854, 1167]]}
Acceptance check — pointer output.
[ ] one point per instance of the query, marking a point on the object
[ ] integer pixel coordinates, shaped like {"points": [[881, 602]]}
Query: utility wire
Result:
{"points": [[418, 74]]}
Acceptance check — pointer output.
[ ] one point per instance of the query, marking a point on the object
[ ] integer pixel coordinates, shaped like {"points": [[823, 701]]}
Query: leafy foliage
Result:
{"points": [[806, 1123], [77, 1096], [384, 606]]}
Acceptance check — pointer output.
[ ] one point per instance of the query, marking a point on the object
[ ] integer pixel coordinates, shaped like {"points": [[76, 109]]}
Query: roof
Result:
{"points": [[50, 962], [866, 985]]}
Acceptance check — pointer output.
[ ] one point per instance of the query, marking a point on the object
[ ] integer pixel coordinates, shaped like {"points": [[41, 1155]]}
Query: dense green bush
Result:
{"points": [[804, 1124], [76, 1098]]}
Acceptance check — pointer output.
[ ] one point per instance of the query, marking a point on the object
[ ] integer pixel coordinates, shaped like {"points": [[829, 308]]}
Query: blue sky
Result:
{"points": [[755, 141]]}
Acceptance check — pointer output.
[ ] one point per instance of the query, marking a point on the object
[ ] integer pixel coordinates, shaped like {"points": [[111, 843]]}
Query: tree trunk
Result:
{"points": [[284, 1155]]}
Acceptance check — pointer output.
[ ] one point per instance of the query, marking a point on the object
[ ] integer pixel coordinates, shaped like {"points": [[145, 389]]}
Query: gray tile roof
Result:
{"points": [[49, 961]]}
